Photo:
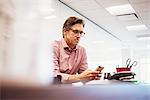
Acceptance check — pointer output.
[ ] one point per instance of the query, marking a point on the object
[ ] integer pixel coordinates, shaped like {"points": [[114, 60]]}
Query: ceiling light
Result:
{"points": [[121, 9], [136, 27], [143, 37], [127, 17]]}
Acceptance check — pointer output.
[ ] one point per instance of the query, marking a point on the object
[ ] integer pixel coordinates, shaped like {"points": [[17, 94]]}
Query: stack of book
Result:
{"points": [[123, 76]]}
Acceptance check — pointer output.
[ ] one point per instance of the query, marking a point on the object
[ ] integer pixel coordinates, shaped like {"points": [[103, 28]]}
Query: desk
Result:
{"points": [[69, 92]]}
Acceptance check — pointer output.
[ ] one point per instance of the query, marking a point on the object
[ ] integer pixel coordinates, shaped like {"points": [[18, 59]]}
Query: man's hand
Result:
{"points": [[99, 68], [88, 75]]}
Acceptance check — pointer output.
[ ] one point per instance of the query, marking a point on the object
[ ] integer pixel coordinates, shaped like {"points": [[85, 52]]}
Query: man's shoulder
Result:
{"points": [[81, 47], [56, 42]]}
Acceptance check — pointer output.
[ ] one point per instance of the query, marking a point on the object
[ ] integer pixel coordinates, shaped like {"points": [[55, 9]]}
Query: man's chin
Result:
{"points": [[76, 42]]}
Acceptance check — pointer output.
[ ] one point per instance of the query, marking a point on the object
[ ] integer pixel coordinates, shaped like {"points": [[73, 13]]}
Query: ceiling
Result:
{"points": [[95, 11]]}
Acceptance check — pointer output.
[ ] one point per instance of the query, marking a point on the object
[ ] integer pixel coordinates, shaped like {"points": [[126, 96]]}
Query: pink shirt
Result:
{"points": [[67, 61]]}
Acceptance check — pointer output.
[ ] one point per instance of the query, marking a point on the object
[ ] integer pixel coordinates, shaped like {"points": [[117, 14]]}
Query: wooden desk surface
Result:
{"points": [[69, 92]]}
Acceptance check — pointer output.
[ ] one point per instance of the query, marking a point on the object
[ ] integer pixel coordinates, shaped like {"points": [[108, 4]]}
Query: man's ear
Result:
{"points": [[64, 33], [65, 30]]}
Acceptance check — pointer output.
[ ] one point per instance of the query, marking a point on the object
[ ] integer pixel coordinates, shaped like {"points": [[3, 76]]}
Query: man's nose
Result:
{"points": [[79, 35]]}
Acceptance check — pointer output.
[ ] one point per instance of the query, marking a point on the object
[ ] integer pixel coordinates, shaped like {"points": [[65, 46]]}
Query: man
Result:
{"points": [[68, 57]]}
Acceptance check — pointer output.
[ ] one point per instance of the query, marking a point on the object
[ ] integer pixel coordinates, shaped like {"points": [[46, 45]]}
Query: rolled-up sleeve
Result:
{"points": [[56, 65]]}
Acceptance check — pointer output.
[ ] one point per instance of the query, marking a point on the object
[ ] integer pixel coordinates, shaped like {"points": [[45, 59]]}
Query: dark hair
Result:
{"points": [[72, 21]]}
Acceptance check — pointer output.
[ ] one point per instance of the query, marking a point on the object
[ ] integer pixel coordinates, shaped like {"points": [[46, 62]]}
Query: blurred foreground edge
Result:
{"points": [[69, 92]]}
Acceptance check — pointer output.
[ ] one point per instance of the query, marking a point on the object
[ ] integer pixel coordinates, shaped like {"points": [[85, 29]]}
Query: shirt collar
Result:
{"points": [[66, 47]]}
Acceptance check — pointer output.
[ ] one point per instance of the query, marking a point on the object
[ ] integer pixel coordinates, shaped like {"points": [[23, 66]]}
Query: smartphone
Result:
{"points": [[99, 68]]}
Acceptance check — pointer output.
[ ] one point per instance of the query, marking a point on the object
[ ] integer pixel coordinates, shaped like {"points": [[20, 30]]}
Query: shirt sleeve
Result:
{"points": [[56, 55], [83, 63]]}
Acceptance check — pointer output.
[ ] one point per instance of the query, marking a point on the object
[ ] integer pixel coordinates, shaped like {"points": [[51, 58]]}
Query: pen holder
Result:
{"points": [[123, 69]]}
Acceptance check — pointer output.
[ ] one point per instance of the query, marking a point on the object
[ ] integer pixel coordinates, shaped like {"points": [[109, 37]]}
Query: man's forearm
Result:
{"points": [[73, 78]]}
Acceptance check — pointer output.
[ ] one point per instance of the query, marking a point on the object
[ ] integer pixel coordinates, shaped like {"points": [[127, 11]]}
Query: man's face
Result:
{"points": [[72, 36]]}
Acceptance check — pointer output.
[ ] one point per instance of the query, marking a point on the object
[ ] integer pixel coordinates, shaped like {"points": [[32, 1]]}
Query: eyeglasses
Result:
{"points": [[76, 32]]}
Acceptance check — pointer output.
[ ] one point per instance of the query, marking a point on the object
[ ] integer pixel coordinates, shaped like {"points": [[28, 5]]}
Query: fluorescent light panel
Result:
{"points": [[127, 17], [143, 38], [121, 9], [136, 27]]}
